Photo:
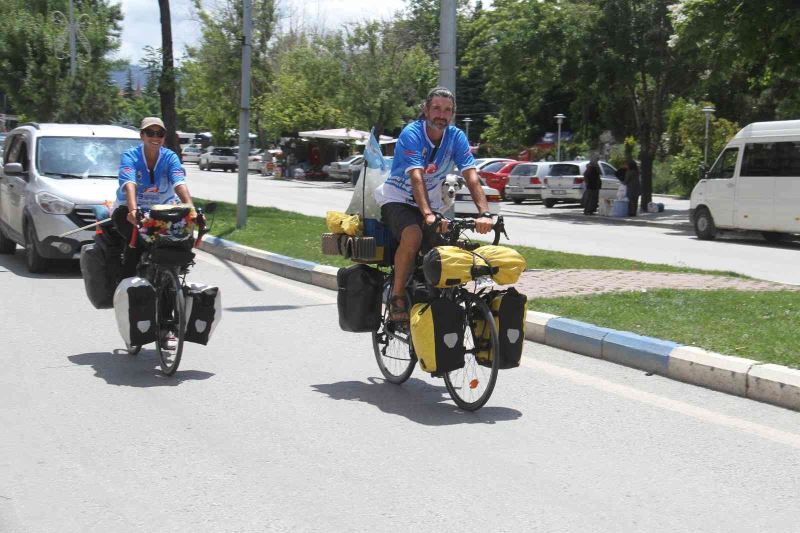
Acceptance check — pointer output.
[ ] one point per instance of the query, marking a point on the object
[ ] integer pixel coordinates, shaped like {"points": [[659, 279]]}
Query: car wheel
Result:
{"points": [[774, 236], [704, 226], [517, 200], [33, 260], [7, 246], [549, 202]]}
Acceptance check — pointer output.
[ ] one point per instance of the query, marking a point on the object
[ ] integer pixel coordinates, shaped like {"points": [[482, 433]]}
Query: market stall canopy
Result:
{"points": [[345, 134]]}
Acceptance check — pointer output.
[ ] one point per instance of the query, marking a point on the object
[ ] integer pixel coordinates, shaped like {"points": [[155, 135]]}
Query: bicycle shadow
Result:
{"points": [[142, 370], [416, 400]]}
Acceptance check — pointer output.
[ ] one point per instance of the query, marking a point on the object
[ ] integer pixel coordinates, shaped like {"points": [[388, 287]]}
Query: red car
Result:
{"points": [[496, 174]]}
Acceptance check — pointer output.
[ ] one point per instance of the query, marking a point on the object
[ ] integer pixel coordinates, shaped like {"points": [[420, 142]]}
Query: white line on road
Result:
{"points": [[706, 415]]}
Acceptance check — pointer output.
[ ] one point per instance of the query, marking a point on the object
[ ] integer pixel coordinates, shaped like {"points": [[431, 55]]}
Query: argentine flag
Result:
{"points": [[373, 154]]}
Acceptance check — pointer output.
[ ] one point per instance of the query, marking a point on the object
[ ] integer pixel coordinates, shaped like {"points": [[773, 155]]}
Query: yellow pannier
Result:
{"points": [[509, 309], [507, 264], [437, 335]]}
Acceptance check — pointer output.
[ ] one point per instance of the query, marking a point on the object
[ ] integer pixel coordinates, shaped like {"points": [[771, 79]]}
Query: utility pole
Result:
{"points": [[73, 67], [244, 115], [447, 45]]}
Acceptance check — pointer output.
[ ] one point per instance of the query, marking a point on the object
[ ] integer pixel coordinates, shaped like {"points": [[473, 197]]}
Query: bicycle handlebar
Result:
{"points": [[202, 228], [457, 225]]}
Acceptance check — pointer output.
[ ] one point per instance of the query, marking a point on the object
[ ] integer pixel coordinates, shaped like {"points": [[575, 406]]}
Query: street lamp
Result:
{"points": [[708, 110], [559, 119], [466, 122]]}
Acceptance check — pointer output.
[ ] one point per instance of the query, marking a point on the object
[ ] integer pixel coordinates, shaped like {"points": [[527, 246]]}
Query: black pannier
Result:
{"points": [[437, 335], [101, 267], [359, 298], [135, 310], [203, 312]]}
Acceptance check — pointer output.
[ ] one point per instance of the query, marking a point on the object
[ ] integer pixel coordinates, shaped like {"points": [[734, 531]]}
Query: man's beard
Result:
{"points": [[441, 126]]}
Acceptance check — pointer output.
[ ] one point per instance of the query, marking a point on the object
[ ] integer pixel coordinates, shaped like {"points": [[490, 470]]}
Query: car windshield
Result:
{"points": [[562, 169], [81, 157], [494, 167], [523, 170]]}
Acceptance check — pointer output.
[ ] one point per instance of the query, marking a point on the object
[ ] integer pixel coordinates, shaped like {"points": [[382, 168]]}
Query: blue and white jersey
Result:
{"points": [[415, 150], [151, 189]]}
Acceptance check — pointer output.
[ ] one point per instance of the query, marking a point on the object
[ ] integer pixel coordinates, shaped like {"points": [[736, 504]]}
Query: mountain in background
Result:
{"points": [[120, 77]]}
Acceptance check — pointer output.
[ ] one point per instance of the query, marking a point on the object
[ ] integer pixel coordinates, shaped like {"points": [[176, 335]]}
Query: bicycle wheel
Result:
{"points": [[392, 348], [132, 349], [170, 307], [471, 386]]}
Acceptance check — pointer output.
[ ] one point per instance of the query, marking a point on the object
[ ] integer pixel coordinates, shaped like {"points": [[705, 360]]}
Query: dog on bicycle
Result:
{"points": [[450, 186]]}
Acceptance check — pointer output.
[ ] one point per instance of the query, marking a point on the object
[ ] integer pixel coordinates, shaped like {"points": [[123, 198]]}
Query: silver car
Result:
{"points": [[57, 178], [564, 182], [526, 181]]}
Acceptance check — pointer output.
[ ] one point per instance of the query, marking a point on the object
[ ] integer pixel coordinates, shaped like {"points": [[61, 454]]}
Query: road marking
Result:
{"points": [[706, 415]]}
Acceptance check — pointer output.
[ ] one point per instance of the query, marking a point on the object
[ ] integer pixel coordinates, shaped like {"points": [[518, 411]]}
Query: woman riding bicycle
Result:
{"points": [[426, 152], [149, 174]]}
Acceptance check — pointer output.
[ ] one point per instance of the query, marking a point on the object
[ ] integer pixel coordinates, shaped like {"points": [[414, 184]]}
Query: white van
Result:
{"points": [[753, 185]]}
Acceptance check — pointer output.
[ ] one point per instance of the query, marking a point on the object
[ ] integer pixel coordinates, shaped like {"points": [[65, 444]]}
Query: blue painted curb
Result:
{"points": [[645, 353], [575, 336]]}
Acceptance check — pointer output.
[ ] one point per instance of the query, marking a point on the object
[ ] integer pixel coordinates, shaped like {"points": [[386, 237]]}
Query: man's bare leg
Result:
{"points": [[410, 241]]}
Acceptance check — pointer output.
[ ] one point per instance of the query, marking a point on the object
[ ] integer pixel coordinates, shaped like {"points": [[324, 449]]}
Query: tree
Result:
{"points": [[37, 83], [166, 84]]}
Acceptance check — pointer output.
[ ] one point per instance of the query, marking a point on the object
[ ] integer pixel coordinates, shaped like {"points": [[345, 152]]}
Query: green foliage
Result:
{"points": [[37, 83], [686, 168]]}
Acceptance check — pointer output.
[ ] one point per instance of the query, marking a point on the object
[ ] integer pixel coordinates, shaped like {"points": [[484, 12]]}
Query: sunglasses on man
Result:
{"points": [[155, 133]]}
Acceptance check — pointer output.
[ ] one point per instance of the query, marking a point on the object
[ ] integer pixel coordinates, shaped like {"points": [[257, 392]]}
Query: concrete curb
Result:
{"points": [[775, 384], [640, 220]]}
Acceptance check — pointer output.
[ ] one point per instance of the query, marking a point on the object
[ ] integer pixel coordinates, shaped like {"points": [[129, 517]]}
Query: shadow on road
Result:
{"points": [[142, 370], [15, 264], [416, 400], [267, 308]]}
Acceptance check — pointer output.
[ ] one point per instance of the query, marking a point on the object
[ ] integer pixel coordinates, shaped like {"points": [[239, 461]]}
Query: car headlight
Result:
{"points": [[55, 205]]}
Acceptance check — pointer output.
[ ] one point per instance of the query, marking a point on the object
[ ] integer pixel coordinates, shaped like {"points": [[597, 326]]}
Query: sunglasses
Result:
{"points": [[155, 133]]}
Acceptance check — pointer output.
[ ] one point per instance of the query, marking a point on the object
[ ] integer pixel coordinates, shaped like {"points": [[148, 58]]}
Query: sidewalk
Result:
{"points": [[775, 384]]}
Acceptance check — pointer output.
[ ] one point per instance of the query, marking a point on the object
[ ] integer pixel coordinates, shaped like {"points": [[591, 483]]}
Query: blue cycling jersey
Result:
{"points": [[415, 150], [153, 188]]}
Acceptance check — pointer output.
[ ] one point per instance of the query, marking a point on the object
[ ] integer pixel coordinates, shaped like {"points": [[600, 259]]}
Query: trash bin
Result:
{"points": [[620, 208]]}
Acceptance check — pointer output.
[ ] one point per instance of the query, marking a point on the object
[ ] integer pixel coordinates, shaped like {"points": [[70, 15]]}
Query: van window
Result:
{"points": [[725, 165], [771, 159]]}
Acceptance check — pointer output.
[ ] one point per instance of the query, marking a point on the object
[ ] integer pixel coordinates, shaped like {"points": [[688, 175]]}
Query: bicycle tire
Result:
{"points": [[471, 386], [169, 287], [394, 356], [132, 349]]}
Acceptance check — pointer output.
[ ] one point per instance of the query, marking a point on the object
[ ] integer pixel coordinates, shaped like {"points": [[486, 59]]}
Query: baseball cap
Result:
{"points": [[151, 121]]}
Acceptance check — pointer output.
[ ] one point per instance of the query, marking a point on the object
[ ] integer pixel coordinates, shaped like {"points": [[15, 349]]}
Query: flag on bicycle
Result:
{"points": [[373, 154]]}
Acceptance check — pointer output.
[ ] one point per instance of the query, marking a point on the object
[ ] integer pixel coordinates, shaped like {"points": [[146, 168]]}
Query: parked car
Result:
{"points": [[496, 174], [57, 178], [465, 206], [255, 160], [753, 185], [2, 143], [362, 168], [340, 170], [217, 157], [191, 153], [565, 183], [526, 181]]}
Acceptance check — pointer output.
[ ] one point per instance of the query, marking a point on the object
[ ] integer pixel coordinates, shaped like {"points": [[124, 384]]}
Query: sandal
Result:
{"points": [[398, 309]]}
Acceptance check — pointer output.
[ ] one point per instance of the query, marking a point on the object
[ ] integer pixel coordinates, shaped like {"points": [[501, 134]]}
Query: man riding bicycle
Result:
{"points": [[149, 174], [426, 152]]}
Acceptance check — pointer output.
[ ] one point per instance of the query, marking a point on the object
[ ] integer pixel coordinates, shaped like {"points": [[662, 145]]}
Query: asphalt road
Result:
{"points": [[531, 224], [282, 423]]}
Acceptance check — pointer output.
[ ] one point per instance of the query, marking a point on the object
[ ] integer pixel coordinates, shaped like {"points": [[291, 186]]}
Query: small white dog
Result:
{"points": [[450, 186]]}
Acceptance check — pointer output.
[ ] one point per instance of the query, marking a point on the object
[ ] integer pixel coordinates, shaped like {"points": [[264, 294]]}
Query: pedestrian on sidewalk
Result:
{"points": [[591, 176], [633, 186]]}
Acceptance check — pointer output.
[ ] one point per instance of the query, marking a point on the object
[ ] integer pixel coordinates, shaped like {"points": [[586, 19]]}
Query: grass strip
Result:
{"points": [[299, 236], [757, 325]]}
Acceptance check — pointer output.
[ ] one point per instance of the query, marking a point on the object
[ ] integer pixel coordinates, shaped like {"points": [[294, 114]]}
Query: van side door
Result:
{"points": [[14, 186], [721, 187], [755, 187]]}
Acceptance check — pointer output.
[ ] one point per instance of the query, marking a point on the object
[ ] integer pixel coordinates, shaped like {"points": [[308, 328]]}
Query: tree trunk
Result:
{"points": [[166, 85]]}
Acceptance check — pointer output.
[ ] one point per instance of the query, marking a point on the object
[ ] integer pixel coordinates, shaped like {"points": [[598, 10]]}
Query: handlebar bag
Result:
{"points": [[506, 263], [359, 298], [437, 334], [509, 309], [450, 266], [203, 311], [135, 310]]}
